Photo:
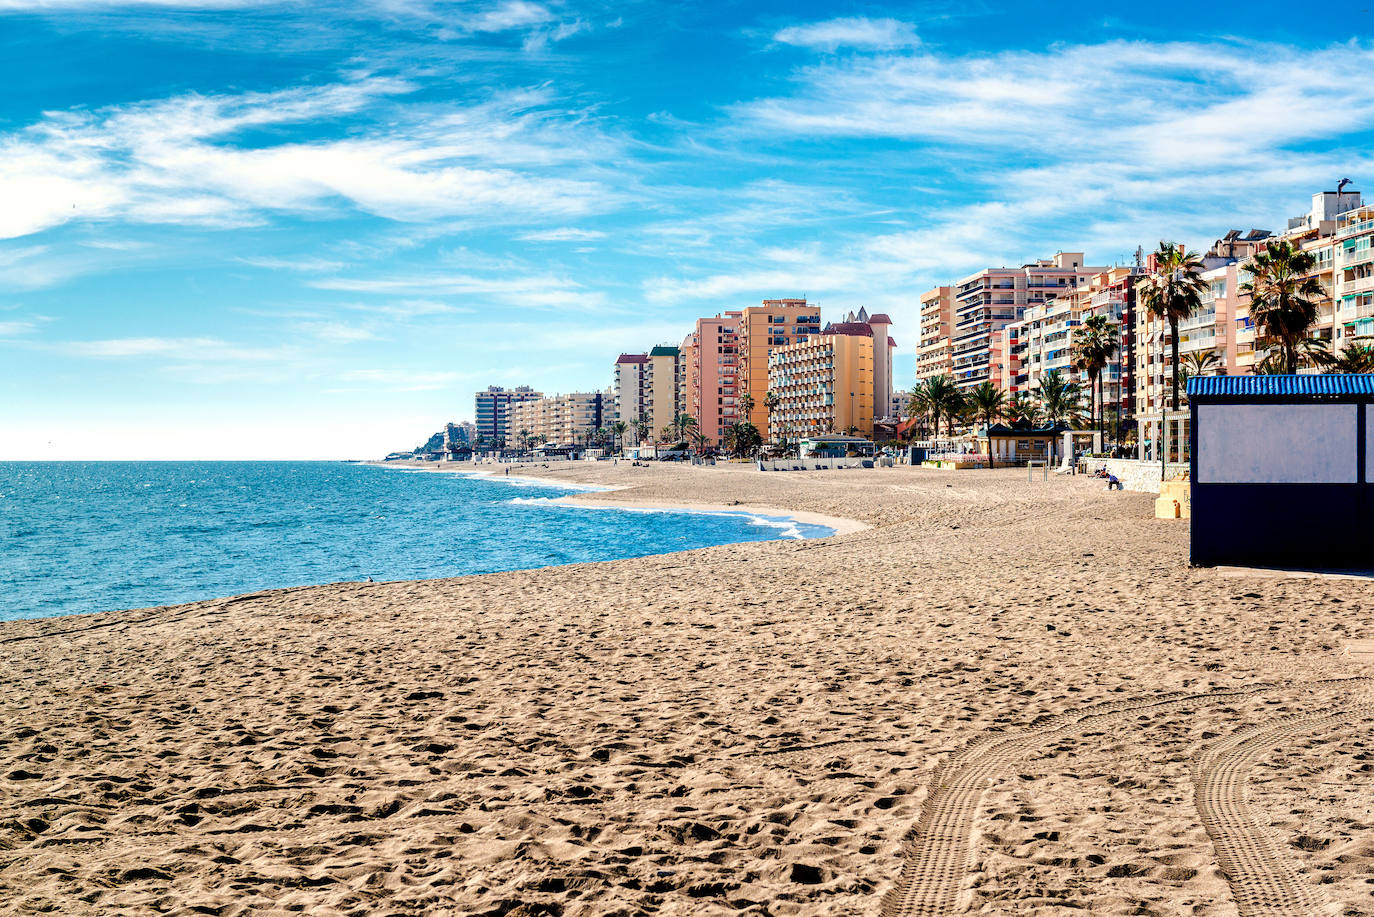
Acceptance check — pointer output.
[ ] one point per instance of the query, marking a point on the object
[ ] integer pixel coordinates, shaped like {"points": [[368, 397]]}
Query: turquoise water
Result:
{"points": [[79, 537]]}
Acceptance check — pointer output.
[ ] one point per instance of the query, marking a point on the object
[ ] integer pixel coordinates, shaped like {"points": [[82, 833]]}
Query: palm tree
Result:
{"points": [[1283, 297], [1060, 398], [746, 407], [642, 428], [689, 429], [1201, 362], [681, 422], [988, 402], [1023, 406], [920, 403], [1172, 292], [1094, 345], [771, 400], [945, 398], [618, 428], [1353, 358], [741, 438]]}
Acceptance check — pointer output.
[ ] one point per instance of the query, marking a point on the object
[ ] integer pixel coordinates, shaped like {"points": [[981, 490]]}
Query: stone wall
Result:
{"points": [[1136, 475]]}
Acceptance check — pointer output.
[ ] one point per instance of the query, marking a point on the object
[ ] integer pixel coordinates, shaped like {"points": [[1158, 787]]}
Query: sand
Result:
{"points": [[994, 698]]}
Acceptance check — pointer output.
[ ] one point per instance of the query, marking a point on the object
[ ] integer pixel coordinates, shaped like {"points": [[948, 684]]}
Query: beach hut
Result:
{"points": [[1282, 469], [1020, 442]]}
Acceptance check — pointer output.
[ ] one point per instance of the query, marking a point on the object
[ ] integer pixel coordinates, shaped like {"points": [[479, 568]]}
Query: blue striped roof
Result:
{"points": [[1281, 386]]}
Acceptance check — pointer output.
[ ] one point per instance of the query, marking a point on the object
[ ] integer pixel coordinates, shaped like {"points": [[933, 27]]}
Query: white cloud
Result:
{"points": [[567, 234], [336, 332], [306, 265], [408, 308], [194, 349], [512, 14], [851, 32], [527, 290], [18, 328], [175, 160]]}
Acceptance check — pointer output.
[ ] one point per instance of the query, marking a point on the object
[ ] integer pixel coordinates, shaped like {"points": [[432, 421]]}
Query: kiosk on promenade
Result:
{"points": [[1283, 471]]}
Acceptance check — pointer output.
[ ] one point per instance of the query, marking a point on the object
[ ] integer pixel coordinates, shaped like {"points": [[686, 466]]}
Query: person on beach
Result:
{"points": [[1114, 483]]}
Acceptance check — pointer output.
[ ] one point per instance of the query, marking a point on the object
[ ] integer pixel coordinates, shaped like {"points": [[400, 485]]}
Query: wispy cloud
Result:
{"points": [[185, 160], [408, 308], [528, 290], [851, 32], [336, 332], [193, 349], [566, 234], [305, 265], [18, 328]]}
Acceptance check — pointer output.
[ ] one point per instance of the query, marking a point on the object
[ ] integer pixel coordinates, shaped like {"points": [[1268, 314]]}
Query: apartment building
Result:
{"points": [[560, 419], [934, 353], [824, 383], [630, 384], [463, 433], [1353, 270], [1043, 339], [710, 357], [884, 347], [492, 410], [664, 382], [986, 302], [762, 329]]}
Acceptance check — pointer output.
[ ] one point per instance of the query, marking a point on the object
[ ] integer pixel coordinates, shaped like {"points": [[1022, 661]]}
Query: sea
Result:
{"points": [[81, 537]]}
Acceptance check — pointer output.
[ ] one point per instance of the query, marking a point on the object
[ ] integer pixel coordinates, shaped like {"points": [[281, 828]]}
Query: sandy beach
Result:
{"points": [[982, 696]]}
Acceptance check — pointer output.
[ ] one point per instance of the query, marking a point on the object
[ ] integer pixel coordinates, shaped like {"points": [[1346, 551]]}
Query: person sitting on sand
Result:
{"points": [[1114, 483]]}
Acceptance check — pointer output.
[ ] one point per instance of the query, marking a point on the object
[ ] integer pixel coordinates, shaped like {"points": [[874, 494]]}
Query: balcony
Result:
{"points": [[1358, 285]]}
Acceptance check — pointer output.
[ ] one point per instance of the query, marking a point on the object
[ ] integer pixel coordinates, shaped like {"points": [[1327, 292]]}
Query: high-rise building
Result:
{"points": [[986, 302], [776, 323], [560, 419], [631, 391], [935, 354], [493, 409], [883, 349], [824, 383], [462, 433], [1354, 273], [664, 381], [649, 387], [1043, 340], [711, 364]]}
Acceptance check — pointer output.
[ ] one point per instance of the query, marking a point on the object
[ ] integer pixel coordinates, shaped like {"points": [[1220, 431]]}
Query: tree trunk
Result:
{"points": [[1101, 407], [1173, 347]]}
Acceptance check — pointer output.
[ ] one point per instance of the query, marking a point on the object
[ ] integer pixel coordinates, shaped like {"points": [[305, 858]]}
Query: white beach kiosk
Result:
{"points": [[1283, 471]]}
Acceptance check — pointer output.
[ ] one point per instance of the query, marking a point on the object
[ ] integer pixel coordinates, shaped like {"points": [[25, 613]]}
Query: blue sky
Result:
{"points": [[254, 229]]}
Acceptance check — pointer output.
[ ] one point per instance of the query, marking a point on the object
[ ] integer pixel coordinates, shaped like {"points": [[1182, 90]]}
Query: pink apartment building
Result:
{"points": [[711, 353]]}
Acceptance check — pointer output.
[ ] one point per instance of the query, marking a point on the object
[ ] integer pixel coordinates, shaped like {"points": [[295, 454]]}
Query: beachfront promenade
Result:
{"points": [[999, 695]]}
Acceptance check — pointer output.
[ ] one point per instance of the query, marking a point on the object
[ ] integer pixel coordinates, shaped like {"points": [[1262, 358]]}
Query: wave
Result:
{"points": [[788, 528]]}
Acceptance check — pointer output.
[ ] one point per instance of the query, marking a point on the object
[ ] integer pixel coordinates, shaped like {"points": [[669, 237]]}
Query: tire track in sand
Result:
{"points": [[936, 851], [1263, 879]]}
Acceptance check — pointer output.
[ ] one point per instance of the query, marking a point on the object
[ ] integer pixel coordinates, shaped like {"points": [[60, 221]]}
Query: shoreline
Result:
{"points": [[838, 525]]}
